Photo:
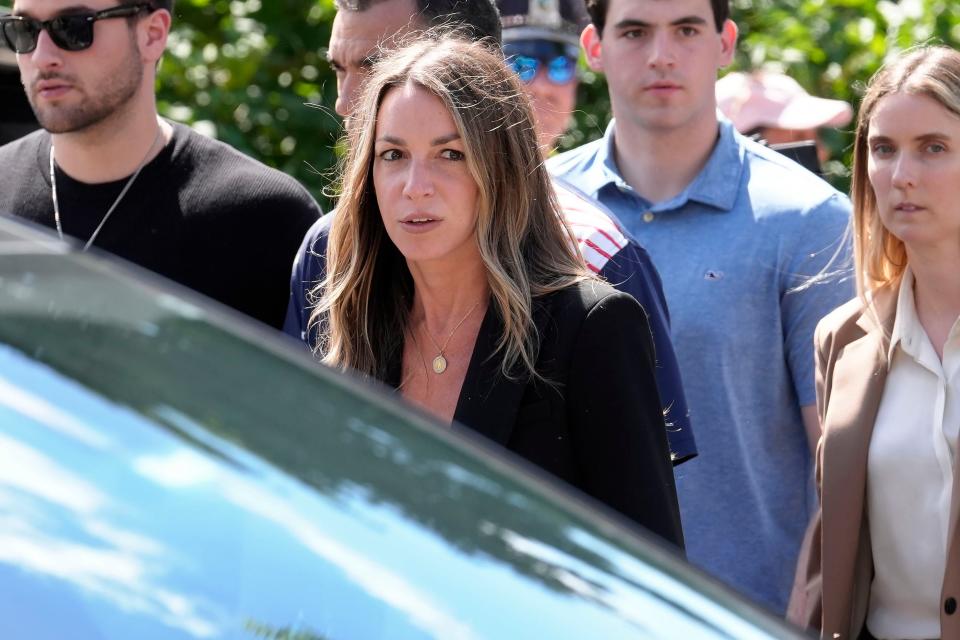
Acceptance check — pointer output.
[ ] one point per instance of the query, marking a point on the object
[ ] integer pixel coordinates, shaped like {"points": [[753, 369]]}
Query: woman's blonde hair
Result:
{"points": [[364, 303], [933, 71]]}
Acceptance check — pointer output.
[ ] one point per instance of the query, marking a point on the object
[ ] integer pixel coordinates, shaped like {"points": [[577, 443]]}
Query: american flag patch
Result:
{"points": [[598, 236]]}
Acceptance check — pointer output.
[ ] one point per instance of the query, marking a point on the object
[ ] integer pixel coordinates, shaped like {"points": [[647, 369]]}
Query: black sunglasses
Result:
{"points": [[72, 32]]}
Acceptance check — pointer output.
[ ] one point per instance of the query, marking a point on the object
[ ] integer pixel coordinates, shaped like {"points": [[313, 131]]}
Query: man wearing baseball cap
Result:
{"points": [[541, 40], [775, 108]]}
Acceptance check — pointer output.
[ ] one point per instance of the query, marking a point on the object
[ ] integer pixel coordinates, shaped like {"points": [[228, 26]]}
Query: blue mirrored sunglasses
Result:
{"points": [[558, 60], [560, 70]]}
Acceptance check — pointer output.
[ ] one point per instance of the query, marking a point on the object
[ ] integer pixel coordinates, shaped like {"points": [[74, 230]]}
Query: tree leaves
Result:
{"points": [[246, 71]]}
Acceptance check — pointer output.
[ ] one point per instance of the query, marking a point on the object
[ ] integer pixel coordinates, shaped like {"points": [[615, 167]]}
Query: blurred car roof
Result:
{"points": [[170, 469], [7, 58], [16, 117]]}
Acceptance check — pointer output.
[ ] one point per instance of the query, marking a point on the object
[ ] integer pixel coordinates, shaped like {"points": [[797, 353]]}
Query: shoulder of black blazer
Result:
{"points": [[489, 401], [545, 422]]}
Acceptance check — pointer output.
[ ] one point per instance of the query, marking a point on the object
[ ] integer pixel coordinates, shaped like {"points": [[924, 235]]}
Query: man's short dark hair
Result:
{"points": [[479, 18], [157, 4], [598, 13]]}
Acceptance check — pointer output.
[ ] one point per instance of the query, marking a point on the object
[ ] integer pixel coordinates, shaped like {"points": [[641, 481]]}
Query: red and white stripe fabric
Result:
{"points": [[598, 236]]}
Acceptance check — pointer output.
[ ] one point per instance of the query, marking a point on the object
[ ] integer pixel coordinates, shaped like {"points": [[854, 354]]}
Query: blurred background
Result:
{"points": [[253, 72]]}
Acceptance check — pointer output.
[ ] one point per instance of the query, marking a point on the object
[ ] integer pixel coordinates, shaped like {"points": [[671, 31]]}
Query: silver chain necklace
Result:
{"points": [[116, 203]]}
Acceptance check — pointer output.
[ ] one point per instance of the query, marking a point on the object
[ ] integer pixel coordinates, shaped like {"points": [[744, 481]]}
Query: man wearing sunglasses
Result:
{"points": [[107, 171], [541, 41]]}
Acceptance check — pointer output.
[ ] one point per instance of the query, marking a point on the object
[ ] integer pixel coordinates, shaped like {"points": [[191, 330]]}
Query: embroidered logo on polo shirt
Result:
{"points": [[713, 274]]}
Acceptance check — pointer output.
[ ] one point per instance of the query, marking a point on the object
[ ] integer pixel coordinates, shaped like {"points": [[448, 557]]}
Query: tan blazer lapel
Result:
{"points": [[856, 386]]}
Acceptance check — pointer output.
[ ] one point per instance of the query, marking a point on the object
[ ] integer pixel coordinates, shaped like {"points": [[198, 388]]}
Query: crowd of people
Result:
{"points": [[675, 319]]}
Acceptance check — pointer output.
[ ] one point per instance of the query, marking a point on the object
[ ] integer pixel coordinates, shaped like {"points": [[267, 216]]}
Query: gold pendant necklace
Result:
{"points": [[440, 361]]}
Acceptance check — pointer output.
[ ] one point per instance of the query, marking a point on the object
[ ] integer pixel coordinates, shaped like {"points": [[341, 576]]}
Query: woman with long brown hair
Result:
{"points": [[451, 277]]}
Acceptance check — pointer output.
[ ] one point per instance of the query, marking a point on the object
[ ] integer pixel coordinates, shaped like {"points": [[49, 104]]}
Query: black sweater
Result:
{"points": [[200, 213]]}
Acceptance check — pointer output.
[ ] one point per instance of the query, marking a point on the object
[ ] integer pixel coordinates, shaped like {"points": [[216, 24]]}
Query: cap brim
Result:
{"points": [[512, 34], [811, 112]]}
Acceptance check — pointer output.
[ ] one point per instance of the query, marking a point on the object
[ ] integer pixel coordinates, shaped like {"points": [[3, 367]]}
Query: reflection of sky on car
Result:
{"points": [[634, 603], [244, 545]]}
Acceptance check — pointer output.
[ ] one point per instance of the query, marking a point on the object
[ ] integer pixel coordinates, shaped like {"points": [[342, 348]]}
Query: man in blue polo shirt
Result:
{"points": [[737, 232]]}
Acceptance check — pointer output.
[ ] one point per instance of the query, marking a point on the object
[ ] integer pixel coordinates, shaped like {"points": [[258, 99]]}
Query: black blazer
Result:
{"points": [[599, 426]]}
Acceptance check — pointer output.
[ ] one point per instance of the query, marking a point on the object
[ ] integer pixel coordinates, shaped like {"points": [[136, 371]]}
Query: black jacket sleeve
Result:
{"points": [[615, 417]]}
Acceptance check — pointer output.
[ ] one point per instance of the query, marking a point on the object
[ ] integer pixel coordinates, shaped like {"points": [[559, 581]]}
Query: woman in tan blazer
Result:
{"points": [[885, 554]]}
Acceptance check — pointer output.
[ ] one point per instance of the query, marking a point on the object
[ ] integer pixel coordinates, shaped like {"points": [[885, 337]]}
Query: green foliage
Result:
{"points": [[833, 48], [246, 71]]}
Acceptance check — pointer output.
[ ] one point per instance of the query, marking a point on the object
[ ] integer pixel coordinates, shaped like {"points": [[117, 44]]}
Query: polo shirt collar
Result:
{"points": [[717, 185], [604, 171]]}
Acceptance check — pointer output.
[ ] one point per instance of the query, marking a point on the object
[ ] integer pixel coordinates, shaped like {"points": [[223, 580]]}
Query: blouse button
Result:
{"points": [[648, 216], [950, 606]]}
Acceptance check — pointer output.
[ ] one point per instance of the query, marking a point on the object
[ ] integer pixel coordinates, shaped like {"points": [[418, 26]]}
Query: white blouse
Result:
{"points": [[910, 469]]}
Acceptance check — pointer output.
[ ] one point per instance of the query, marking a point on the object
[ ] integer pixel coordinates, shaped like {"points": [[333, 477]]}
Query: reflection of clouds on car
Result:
{"points": [[29, 471], [64, 525], [298, 518], [310, 529], [45, 412], [170, 470]]}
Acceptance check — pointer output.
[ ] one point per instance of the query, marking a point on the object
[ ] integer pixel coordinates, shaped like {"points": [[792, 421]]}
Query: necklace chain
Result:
{"points": [[440, 361], [116, 203]]}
